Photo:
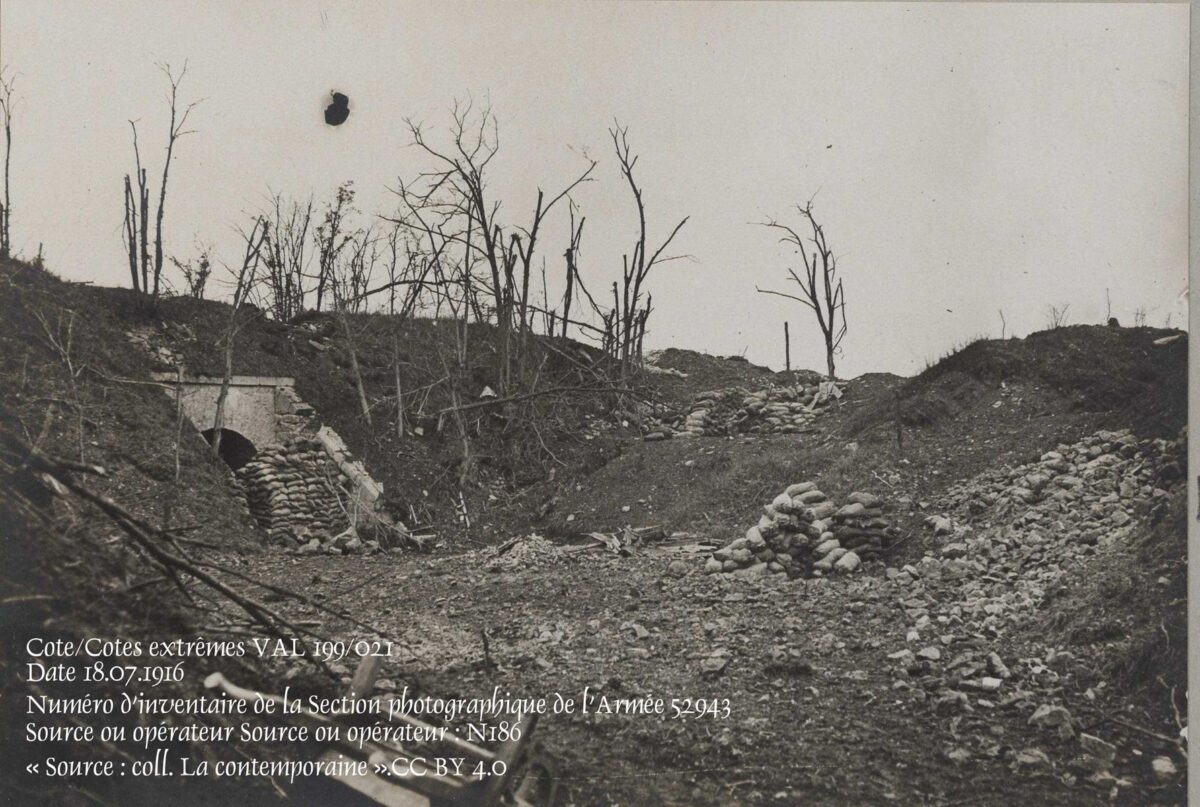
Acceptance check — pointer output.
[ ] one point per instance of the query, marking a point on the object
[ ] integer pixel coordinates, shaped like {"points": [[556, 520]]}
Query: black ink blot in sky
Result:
{"points": [[337, 112]]}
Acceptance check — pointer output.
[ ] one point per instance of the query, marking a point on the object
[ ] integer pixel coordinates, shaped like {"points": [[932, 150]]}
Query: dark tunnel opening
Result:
{"points": [[235, 449]]}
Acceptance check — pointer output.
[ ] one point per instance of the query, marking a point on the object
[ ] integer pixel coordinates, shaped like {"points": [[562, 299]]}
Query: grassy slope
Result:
{"points": [[129, 426]]}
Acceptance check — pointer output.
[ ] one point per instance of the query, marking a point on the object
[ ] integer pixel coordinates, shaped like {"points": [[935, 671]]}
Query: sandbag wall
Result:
{"points": [[802, 533], [734, 410], [859, 526], [296, 493]]}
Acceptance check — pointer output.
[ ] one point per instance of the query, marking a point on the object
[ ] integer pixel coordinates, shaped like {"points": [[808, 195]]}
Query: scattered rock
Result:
{"points": [[1164, 769], [1098, 754], [941, 525], [955, 550], [1033, 758], [958, 755], [1053, 717], [679, 568], [847, 563]]}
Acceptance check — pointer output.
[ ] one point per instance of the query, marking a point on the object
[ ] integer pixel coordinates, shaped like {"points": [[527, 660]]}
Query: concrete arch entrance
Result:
{"points": [[235, 448], [263, 409]]}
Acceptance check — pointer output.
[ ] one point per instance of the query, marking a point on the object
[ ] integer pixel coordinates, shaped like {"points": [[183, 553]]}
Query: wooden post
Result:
{"points": [[787, 347], [897, 416]]}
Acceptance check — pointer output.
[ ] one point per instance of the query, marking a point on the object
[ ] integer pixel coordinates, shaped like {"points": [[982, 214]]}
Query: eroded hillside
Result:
{"points": [[1019, 630]]}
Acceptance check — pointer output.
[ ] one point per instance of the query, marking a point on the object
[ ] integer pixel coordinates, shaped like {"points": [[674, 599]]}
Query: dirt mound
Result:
{"points": [[76, 387], [689, 373], [1128, 377]]}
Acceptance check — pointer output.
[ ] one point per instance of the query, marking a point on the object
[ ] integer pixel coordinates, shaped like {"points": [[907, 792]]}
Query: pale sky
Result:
{"points": [[966, 158]]}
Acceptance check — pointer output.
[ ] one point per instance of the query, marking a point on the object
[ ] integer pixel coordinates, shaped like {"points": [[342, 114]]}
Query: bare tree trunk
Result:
{"points": [[566, 315], [787, 348], [572, 256], [6, 208], [174, 132], [162, 200], [226, 379], [131, 233], [506, 349], [144, 202], [358, 382], [547, 313], [641, 336], [399, 389]]}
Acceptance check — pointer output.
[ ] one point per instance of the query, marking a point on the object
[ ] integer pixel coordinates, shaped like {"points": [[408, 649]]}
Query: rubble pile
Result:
{"points": [[296, 493], [528, 551], [149, 338], [1014, 533], [1093, 489], [1011, 538], [803, 534], [736, 410]]}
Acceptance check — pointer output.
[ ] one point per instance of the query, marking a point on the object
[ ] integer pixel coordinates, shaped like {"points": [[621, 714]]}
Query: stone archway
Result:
{"points": [[235, 448], [263, 409]]}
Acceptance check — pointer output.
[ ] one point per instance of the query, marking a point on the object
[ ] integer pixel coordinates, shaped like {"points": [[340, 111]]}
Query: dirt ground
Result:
{"points": [[810, 723], [819, 713]]}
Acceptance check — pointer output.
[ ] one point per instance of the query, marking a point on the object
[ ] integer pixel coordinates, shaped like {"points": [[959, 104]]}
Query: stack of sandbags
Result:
{"points": [[735, 410], [785, 539], [296, 493], [695, 424], [859, 525], [783, 410]]}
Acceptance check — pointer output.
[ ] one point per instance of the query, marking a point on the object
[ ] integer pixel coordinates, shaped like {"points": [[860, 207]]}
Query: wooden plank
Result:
{"points": [[365, 676], [444, 787], [379, 790], [510, 752], [452, 739]]}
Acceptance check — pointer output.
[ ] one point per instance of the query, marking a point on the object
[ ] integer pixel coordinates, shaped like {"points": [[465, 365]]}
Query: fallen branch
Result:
{"points": [[27, 598], [1175, 742], [134, 381]]}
